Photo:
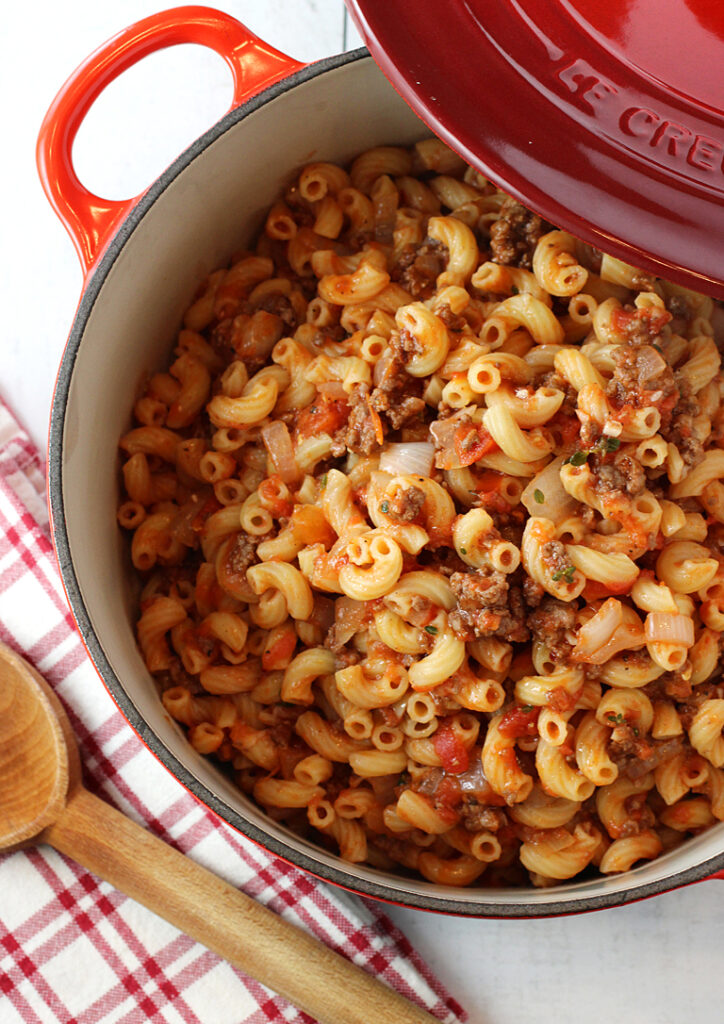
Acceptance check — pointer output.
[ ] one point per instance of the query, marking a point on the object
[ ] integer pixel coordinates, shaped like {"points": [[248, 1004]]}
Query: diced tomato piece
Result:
{"points": [[569, 428], [519, 721], [472, 443], [322, 417], [440, 535], [559, 699], [448, 792], [451, 750], [494, 503], [622, 320], [278, 654], [594, 591], [487, 485], [309, 526]]}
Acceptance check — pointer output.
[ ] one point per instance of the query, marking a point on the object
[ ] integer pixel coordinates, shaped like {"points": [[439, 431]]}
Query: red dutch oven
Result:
{"points": [[143, 259]]}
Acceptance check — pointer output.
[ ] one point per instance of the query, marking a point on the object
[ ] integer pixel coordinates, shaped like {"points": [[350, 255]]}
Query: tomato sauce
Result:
{"points": [[448, 793], [472, 443], [270, 493], [594, 591], [569, 428], [451, 750], [624, 321], [309, 526], [277, 656], [519, 721], [322, 417]]}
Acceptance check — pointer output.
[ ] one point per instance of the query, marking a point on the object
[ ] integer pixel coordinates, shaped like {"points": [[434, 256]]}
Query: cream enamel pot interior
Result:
{"points": [[204, 207]]}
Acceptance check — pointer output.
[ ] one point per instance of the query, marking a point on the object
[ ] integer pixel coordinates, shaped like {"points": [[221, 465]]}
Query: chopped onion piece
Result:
{"points": [[182, 523], [443, 434], [443, 431], [545, 495], [649, 363], [414, 457], [332, 391], [278, 443], [663, 627], [348, 617], [595, 634], [381, 367], [628, 636]]}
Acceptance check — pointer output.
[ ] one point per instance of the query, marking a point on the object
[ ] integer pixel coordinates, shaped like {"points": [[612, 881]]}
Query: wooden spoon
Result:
{"points": [[42, 799]]}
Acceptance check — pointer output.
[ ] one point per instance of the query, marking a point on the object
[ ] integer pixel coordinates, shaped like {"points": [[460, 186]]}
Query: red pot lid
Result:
{"points": [[607, 119]]}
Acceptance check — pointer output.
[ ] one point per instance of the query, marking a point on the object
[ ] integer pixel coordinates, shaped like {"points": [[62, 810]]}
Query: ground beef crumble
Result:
{"points": [[176, 675], [515, 234], [550, 622], [674, 685], [630, 384], [640, 326], [553, 379], [678, 306], [476, 817], [704, 691], [444, 560], [418, 267], [405, 345], [554, 557], [398, 396], [242, 554], [622, 473], [487, 606], [360, 433], [421, 611], [453, 321], [406, 505], [636, 755], [252, 338], [532, 592], [280, 305], [679, 431], [640, 816]]}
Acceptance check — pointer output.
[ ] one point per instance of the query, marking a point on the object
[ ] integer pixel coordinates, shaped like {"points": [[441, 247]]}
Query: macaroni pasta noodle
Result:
{"points": [[427, 517]]}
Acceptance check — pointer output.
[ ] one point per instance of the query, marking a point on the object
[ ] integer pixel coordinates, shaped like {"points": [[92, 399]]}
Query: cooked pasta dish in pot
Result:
{"points": [[428, 512]]}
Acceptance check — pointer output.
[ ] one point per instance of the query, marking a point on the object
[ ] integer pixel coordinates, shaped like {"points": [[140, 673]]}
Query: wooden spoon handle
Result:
{"points": [[239, 929]]}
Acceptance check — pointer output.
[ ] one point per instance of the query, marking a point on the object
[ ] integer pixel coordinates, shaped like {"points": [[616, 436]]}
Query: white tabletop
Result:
{"points": [[655, 962]]}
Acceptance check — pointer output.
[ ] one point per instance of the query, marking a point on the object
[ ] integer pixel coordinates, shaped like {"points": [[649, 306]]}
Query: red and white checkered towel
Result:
{"points": [[72, 949]]}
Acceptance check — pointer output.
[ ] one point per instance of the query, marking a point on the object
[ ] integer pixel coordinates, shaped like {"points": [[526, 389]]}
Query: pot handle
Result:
{"points": [[89, 219]]}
